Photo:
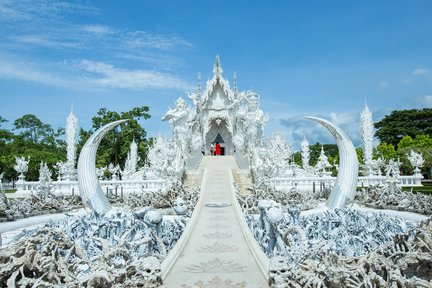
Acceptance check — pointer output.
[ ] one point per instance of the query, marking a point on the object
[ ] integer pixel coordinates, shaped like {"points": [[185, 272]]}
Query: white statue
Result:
{"points": [[21, 167], [114, 170], [62, 169], [255, 119], [45, 186], [71, 139], [178, 117], [100, 172], [392, 168], [131, 161], [162, 159], [367, 132], [1, 184], [323, 165], [416, 160], [305, 153], [275, 156]]}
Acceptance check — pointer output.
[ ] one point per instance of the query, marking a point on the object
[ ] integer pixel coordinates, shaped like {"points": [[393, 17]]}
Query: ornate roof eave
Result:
{"points": [[218, 78]]}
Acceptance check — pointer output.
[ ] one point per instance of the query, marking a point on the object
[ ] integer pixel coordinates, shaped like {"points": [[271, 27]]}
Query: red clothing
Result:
{"points": [[218, 149]]}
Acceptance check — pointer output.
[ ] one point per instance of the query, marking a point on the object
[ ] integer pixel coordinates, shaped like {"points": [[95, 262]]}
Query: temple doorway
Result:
{"points": [[219, 133]]}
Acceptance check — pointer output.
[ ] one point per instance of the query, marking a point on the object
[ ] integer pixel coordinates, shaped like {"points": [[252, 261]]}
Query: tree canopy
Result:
{"points": [[39, 141], [421, 144], [401, 123], [115, 145]]}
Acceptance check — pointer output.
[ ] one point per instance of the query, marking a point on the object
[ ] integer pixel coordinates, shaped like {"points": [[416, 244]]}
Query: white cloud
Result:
{"points": [[107, 75], [421, 72], [97, 29], [141, 39], [427, 100], [46, 41], [383, 85], [298, 127], [28, 72]]}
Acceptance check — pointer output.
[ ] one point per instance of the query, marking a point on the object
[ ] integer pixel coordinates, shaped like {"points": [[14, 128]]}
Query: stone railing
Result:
{"points": [[108, 186], [316, 183]]}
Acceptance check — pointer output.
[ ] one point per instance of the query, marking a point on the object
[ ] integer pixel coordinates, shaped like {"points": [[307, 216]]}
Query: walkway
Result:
{"points": [[216, 254]]}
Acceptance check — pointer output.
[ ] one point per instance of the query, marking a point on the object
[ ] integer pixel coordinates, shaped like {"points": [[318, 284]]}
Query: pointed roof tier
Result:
{"points": [[218, 79]]}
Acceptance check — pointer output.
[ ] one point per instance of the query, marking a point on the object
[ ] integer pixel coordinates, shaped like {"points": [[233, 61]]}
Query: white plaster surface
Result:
{"points": [[216, 251]]}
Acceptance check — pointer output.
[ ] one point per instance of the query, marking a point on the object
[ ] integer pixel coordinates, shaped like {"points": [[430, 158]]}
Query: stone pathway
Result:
{"points": [[216, 253]]}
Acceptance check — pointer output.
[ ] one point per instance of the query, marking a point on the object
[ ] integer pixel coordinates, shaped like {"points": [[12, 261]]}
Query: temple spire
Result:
{"points": [[235, 83], [217, 68], [199, 92]]}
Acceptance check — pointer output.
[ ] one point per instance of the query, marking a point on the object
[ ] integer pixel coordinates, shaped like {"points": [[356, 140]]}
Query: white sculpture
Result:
{"points": [[71, 139], [100, 172], [45, 185], [1, 186], [323, 165], [274, 157], [61, 170], [253, 120], [114, 171], [416, 160], [305, 153], [178, 117], [367, 133], [163, 161], [346, 183], [21, 167], [88, 184]]}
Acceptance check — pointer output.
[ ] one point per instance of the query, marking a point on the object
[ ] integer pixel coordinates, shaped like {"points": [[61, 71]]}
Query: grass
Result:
{"points": [[10, 190], [425, 189]]}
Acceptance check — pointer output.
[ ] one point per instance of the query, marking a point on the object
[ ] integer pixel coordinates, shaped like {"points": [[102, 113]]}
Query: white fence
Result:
{"points": [[122, 187], [316, 183]]}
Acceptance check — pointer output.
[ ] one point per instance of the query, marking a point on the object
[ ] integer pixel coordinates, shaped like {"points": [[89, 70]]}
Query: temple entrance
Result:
{"points": [[219, 133]]}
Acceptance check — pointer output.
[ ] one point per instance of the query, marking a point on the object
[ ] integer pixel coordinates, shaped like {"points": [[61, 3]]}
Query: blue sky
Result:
{"points": [[319, 58]]}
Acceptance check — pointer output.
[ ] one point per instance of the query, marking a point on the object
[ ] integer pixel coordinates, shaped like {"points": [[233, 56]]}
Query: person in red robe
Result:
{"points": [[218, 148]]}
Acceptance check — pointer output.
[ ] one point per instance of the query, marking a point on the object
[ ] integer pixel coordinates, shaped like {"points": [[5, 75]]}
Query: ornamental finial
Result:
{"points": [[217, 68], [235, 82]]}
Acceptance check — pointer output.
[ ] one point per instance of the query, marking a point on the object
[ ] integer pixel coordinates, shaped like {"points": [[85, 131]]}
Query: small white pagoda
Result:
{"points": [[220, 114]]}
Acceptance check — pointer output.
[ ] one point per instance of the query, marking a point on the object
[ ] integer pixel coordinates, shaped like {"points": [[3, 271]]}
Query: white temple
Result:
{"points": [[220, 114]]}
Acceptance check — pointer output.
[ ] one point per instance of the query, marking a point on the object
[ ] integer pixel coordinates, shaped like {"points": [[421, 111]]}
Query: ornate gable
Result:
{"points": [[218, 94]]}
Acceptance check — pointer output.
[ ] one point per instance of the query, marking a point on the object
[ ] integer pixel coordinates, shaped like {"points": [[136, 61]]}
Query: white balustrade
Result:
{"points": [[307, 183], [124, 186]]}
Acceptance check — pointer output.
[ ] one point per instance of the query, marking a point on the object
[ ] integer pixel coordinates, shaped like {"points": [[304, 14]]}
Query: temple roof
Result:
{"points": [[217, 79]]}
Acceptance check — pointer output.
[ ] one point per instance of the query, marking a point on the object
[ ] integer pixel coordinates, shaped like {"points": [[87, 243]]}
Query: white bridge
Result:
{"points": [[217, 248]]}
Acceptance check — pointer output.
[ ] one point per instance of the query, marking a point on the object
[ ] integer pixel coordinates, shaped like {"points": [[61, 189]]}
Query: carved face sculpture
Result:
{"points": [[150, 272], [278, 271], [180, 206]]}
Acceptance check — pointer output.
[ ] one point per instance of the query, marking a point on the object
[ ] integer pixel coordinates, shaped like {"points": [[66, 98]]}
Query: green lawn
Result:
{"points": [[11, 191], [426, 188]]}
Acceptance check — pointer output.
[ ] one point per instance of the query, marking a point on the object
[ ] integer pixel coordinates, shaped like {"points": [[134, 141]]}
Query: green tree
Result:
{"points": [[386, 151], [34, 130], [6, 158], [412, 122], [115, 145], [37, 140]]}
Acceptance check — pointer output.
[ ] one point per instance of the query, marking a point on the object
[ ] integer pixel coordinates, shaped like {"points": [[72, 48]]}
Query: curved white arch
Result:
{"points": [[346, 183], [88, 184]]}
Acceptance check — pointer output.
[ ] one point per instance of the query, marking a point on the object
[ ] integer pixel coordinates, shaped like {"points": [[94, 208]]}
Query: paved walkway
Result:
{"points": [[216, 253]]}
